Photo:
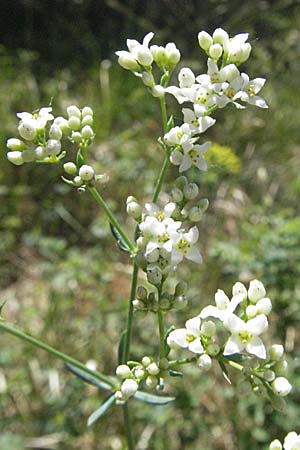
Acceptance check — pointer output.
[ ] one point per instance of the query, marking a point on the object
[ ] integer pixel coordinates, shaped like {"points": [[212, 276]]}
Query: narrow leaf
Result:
{"points": [[175, 373], [121, 244], [79, 159], [88, 378], [153, 399], [121, 347], [108, 402], [167, 347], [170, 123], [1, 307], [224, 372]]}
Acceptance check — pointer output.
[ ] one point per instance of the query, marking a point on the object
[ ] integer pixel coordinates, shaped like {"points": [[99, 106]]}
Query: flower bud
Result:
{"points": [[260, 390], [152, 256], [87, 111], [154, 275], [278, 403], [281, 386], [158, 91], [163, 364], [269, 375], [281, 367], [180, 302], [251, 311], [73, 111], [177, 195], [191, 191], [123, 371], [186, 77], [205, 40], [215, 51], [195, 214], [70, 168], [220, 36], [173, 54], [139, 372], [63, 124], [239, 288], [180, 288], [55, 132], [204, 362], [87, 120], [256, 291], [275, 445], [264, 306], [276, 352], [127, 61], [27, 130], [164, 303], [15, 157], [231, 72], [134, 210], [53, 147], [138, 305], [40, 152], [78, 181], [208, 328], [141, 293], [153, 369], [74, 123], [146, 360], [87, 132], [129, 387], [151, 382], [29, 155], [86, 173], [147, 79], [213, 349], [15, 144], [159, 55]]}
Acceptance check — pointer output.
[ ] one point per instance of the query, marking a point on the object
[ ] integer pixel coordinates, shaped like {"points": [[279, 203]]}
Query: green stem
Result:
{"points": [[182, 361], [161, 178], [161, 328], [93, 191], [164, 114], [128, 428], [125, 355], [25, 337]]}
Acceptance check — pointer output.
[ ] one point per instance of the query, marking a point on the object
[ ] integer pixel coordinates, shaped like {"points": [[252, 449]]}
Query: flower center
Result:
{"points": [[250, 90], [190, 338], [230, 92], [193, 154], [215, 77], [183, 245], [159, 215], [245, 336], [162, 238]]}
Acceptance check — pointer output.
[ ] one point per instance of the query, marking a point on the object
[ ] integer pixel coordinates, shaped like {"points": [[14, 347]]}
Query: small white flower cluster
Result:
{"points": [[200, 336], [291, 442], [79, 124], [134, 373], [163, 242], [82, 176], [145, 302], [42, 142], [140, 57]]}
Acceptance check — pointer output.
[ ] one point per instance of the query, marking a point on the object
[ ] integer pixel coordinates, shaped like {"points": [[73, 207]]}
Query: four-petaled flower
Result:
{"points": [[188, 337]]}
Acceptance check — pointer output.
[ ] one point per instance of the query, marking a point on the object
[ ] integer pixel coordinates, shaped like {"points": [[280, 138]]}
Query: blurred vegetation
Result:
{"points": [[59, 264]]}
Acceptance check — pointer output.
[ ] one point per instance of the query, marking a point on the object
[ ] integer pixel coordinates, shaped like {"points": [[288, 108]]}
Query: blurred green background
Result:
{"points": [[61, 276]]}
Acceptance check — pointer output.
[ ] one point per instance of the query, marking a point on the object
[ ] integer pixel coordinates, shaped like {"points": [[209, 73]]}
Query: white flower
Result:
{"points": [[237, 49], [292, 441], [250, 88], [193, 156], [245, 335], [39, 118], [184, 246], [160, 214], [181, 136], [224, 306], [86, 172], [137, 54], [188, 337], [196, 121]]}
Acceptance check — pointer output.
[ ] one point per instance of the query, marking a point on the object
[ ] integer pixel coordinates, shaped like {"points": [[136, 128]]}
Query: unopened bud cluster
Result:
{"points": [[81, 177], [149, 301], [133, 374]]}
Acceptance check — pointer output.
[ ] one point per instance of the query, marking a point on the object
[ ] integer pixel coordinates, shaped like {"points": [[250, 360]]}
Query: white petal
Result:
{"points": [[193, 325], [234, 324], [196, 346], [201, 164], [131, 44], [258, 101], [235, 301], [256, 347], [209, 311], [192, 235], [258, 84], [147, 39], [176, 157], [205, 122], [185, 164], [257, 325], [178, 337], [233, 345], [194, 255], [178, 94], [169, 209]]}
